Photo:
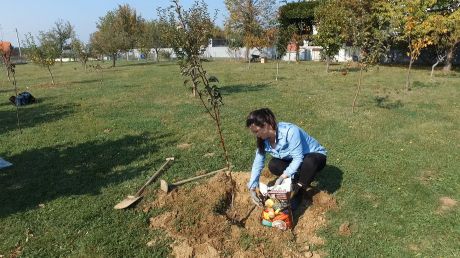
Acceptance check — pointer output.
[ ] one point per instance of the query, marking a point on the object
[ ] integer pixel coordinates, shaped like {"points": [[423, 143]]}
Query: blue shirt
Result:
{"points": [[292, 144]]}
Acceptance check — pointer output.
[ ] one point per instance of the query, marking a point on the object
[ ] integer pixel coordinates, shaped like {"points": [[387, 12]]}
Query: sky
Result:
{"points": [[40, 15]]}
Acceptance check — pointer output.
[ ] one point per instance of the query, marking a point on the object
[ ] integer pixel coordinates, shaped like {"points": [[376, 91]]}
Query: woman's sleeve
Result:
{"points": [[295, 151], [257, 167]]}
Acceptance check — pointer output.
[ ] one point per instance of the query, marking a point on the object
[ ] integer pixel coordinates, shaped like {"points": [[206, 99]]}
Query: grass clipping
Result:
{"points": [[199, 219]]}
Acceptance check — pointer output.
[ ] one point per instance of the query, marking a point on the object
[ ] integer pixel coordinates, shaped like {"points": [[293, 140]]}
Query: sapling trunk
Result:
{"points": [[358, 88], [102, 75], [408, 74], [12, 70], [51, 74], [433, 66], [219, 129]]}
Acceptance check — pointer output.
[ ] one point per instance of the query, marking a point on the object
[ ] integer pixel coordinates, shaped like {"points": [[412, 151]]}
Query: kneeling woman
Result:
{"points": [[295, 154]]}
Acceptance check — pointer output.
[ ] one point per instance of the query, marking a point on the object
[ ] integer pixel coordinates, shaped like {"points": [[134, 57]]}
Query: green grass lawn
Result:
{"points": [[87, 144]]}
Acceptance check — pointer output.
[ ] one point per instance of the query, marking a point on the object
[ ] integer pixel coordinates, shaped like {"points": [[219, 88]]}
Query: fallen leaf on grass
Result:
{"points": [[184, 146], [208, 155], [17, 251], [151, 243]]}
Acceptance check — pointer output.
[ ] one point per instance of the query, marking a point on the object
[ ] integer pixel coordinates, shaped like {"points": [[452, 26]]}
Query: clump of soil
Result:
{"points": [[344, 229], [210, 220]]}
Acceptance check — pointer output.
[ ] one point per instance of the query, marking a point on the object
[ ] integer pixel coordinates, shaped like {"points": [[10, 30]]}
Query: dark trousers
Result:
{"points": [[311, 165]]}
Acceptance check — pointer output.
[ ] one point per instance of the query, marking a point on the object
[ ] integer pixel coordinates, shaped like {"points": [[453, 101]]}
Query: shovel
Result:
{"points": [[128, 201], [166, 187]]}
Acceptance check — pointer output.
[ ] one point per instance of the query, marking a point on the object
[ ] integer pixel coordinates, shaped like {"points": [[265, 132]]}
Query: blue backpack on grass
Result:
{"points": [[23, 98]]}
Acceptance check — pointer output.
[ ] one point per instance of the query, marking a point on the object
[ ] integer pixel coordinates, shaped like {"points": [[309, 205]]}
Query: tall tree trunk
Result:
{"points": [[51, 74], [60, 56], [297, 52], [156, 55], [7, 70], [408, 74], [449, 57], [114, 57], [328, 60], [358, 88]]}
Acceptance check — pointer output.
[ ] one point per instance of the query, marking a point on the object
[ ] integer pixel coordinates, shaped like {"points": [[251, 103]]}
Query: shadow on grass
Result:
{"points": [[42, 175], [428, 84], [329, 180], [138, 63], [229, 89], [164, 63], [385, 102], [33, 115], [86, 81], [167, 63], [2, 104], [9, 89]]}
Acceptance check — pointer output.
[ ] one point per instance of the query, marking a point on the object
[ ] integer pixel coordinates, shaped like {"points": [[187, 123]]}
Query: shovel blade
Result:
{"points": [[128, 201]]}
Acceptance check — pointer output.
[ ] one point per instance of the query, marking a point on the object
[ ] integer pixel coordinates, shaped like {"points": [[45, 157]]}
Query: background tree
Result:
{"points": [[296, 22], [62, 33], [43, 54], [191, 30], [368, 29], [153, 37], [118, 30], [330, 20], [452, 36], [252, 19], [447, 17], [235, 42], [82, 51], [109, 39], [127, 20], [408, 16]]}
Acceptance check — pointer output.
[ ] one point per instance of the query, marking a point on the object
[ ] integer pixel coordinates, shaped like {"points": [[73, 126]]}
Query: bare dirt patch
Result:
{"points": [[200, 221], [446, 204], [427, 176]]}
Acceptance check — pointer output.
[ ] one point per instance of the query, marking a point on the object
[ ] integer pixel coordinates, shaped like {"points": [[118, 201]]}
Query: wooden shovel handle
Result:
{"points": [[198, 177], [168, 160]]}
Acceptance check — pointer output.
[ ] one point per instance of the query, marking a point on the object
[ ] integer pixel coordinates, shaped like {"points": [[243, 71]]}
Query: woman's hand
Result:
{"points": [[255, 199], [280, 180]]}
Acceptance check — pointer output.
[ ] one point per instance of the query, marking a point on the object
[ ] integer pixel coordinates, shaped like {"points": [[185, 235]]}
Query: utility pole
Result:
{"points": [[19, 43]]}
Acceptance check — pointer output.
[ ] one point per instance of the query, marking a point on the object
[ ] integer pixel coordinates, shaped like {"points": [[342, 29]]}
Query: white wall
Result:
{"points": [[306, 53]]}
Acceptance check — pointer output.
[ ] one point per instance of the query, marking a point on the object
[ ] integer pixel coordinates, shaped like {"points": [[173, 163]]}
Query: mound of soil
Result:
{"points": [[210, 220]]}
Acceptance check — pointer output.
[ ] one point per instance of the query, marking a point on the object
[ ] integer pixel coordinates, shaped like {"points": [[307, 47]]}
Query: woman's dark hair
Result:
{"points": [[258, 118]]}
